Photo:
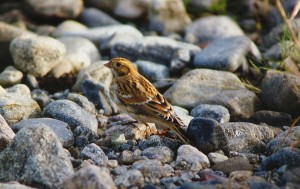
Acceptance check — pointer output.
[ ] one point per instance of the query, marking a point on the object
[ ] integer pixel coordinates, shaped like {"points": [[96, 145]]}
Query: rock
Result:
{"points": [[212, 28], [19, 89], [130, 178], [56, 8], [14, 185], [36, 55], [247, 137], [291, 177], [72, 114], [284, 156], [36, 157], [9, 32], [83, 102], [280, 85], [61, 129], [183, 114], [207, 135], [6, 134], [93, 17], [233, 164], [94, 82], [68, 26], [134, 131], [131, 9], [213, 87], [217, 55], [216, 112], [93, 152], [152, 168], [15, 107], [155, 140], [128, 157], [153, 48], [216, 157], [161, 153], [284, 139], [152, 71], [83, 136], [90, 177], [191, 155], [280, 51], [167, 16], [10, 76], [277, 119], [41, 97], [258, 182]]}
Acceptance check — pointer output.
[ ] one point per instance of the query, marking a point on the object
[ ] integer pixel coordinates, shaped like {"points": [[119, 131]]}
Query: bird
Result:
{"points": [[137, 97]]}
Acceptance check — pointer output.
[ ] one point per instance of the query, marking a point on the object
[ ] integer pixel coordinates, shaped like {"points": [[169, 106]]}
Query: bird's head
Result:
{"points": [[121, 67]]}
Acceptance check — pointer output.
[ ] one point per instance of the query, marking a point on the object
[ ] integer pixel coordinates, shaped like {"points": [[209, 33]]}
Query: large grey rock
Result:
{"points": [[83, 102], [61, 129], [247, 137], [93, 17], [56, 8], [279, 91], [36, 55], [19, 89], [90, 177], [69, 112], [227, 54], [10, 76], [35, 157], [212, 28], [15, 107], [6, 134], [204, 86], [167, 16]]}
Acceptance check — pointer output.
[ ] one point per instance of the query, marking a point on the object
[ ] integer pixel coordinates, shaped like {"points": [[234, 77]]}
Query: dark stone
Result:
{"points": [[233, 164], [278, 119]]}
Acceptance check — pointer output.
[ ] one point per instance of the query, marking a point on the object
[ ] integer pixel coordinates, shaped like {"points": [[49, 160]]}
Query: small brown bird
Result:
{"points": [[136, 96]]}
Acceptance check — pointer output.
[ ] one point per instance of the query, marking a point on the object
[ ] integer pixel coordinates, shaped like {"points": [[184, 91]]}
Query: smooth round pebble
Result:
{"points": [[216, 112], [10, 76]]}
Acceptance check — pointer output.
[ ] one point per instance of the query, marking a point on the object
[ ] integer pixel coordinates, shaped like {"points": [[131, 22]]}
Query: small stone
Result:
{"points": [[93, 17], [183, 114], [280, 50], [20, 89], [130, 178], [71, 113], [152, 168], [15, 107], [191, 155], [215, 157], [10, 76], [6, 134], [152, 71], [36, 55], [56, 8], [233, 164], [258, 182], [161, 153], [272, 118], [83, 102], [36, 157], [61, 129], [90, 177], [41, 97], [83, 136], [207, 135], [155, 140], [93, 152], [66, 26], [216, 112], [216, 56]]}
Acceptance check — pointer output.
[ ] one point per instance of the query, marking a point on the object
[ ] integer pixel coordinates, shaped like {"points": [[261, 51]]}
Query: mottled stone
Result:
{"points": [[10, 76], [152, 168], [130, 178], [216, 112], [152, 71], [6, 134], [161, 153], [93, 152], [83, 102], [233, 164], [192, 155], [278, 119]]}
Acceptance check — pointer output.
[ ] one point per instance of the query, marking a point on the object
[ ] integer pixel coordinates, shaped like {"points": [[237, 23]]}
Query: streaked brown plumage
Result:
{"points": [[136, 96]]}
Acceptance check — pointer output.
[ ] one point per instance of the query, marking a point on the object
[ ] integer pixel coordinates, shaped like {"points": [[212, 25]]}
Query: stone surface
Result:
{"points": [[167, 16], [216, 157], [280, 50], [10, 76], [72, 114], [83, 136], [233, 164], [161, 153], [83, 102], [192, 155], [56, 8], [15, 107], [279, 85], [216, 112], [212, 28], [247, 137], [227, 54], [204, 86], [93, 17], [278, 119], [35, 157], [6, 134], [68, 26], [90, 177], [207, 135], [19, 89], [36, 55], [152, 168], [14, 185], [93, 152], [152, 70], [61, 129], [130, 178]]}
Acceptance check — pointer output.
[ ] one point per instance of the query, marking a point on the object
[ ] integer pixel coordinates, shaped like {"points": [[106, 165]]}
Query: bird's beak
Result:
{"points": [[108, 65]]}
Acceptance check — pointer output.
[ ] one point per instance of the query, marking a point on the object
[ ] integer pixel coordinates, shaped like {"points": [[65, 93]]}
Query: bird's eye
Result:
{"points": [[118, 64]]}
